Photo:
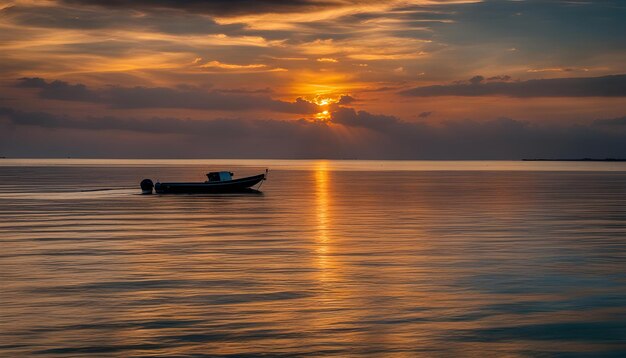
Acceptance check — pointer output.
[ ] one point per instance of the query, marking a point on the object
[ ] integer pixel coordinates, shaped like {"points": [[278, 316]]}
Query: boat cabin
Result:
{"points": [[219, 176]]}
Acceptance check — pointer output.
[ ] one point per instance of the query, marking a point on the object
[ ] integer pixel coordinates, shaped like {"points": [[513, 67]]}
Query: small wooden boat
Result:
{"points": [[218, 182]]}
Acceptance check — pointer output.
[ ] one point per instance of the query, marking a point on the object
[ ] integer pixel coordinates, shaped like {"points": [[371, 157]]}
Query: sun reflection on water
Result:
{"points": [[323, 222], [321, 201]]}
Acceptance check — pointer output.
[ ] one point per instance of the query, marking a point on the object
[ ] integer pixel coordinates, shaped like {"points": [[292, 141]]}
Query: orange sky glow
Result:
{"points": [[425, 62]]}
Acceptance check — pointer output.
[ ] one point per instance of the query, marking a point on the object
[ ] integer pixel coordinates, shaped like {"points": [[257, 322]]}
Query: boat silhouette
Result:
{"points": [[217, 182]]}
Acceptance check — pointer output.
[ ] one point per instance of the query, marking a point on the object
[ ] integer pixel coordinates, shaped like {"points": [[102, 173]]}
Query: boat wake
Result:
{"points": [[82, 194], [107, 189]]}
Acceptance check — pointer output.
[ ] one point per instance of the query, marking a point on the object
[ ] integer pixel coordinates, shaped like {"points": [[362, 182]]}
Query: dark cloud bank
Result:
{"points": [[90, 18], [353, 134], [217, 7], [606, 86], [163, 97]]}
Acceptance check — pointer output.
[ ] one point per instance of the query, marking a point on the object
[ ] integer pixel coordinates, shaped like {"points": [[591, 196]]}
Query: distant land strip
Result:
{"points": [[575, 160]]}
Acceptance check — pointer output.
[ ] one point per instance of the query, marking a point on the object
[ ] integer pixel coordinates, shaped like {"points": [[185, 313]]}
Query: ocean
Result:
{"points": [[343, 258]]}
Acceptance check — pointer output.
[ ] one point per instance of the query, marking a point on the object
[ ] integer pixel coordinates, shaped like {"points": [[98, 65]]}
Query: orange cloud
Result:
{"points": [[229, 66]]}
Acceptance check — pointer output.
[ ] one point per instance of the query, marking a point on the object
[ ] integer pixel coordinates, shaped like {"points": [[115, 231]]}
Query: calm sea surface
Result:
{"points": [[340, 258]]}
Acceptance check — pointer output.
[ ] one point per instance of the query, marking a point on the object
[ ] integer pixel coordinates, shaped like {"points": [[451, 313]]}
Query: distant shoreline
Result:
{"points": [[574, 160]]}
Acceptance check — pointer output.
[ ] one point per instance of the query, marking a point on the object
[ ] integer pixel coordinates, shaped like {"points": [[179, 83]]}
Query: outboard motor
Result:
{"points": [[146, 186]]}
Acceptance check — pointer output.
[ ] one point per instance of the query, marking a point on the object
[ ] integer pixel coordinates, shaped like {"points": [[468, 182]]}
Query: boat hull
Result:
{"points": [[230, 186]]}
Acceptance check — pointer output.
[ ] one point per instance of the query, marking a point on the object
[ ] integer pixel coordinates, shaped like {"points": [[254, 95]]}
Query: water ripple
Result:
{"points": [[335, 258]]}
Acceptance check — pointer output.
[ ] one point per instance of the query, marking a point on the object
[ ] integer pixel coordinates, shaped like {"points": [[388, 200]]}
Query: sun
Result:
{"points": [[323, 101]]}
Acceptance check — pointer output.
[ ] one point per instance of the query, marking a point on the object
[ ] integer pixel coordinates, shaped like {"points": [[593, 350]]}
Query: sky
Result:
{"points": [[336, 79]]}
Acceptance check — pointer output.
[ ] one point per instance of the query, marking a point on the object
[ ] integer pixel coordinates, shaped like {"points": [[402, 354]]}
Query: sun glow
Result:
{"points": [[323, 116], [324, 102]]}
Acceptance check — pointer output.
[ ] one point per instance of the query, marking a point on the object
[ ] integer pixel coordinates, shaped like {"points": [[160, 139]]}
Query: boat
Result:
{"points": [[217, 182]]}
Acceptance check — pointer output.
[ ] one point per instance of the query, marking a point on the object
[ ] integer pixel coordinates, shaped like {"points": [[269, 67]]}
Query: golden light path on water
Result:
{"points": [[343, 258], [322, 198]]}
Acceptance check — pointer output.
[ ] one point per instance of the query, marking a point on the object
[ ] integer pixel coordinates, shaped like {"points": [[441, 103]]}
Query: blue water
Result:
{"points": [[333, 258]]}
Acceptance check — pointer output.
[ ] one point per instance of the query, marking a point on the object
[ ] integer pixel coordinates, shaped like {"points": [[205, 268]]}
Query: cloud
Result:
{"points": [[501, 138], [245, 90], [350, 133], [217, 7], [476, 80], [127, 43], [353, 118], [164, 97], [153, 125], [503, 78], [48, 134], [230, 66], [556, 69], [87, 18], [345, 99], [60, 90], [606, 86], [236, 68], [424, 114]]}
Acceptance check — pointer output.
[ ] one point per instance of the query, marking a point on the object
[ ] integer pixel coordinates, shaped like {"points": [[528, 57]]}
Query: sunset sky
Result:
{"points": [[420, 79]]}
